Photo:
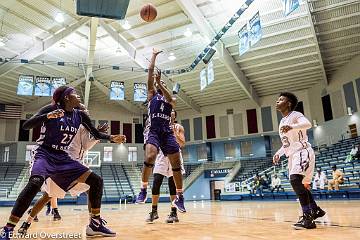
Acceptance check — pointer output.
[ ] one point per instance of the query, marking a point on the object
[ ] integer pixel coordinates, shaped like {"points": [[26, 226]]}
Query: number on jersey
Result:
{"points": [[66, 138], [162, 107]]}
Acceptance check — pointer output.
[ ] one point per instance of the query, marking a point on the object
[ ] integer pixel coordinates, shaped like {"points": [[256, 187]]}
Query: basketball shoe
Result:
{"points": [[97, 228], [306, 221], [142, 197]]}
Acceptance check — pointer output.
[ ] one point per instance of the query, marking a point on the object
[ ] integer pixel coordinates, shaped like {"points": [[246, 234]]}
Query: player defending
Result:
{"points": [[163, 169], [295, 145], [160, 135]]}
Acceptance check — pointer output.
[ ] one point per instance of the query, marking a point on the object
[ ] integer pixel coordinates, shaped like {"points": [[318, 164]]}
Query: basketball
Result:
{"points": [[148, 12]]}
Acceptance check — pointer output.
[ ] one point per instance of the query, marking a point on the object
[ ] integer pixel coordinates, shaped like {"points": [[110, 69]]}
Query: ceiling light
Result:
{"points": [[188, 33], [118, 51], [171, 56], [62, 45], [59, 17], [126, 25]]}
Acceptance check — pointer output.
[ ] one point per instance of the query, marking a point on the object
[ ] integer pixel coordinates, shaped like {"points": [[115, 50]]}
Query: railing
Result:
{"points": [[233, 172]]}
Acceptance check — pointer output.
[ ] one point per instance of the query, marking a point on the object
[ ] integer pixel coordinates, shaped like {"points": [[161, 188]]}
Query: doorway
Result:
{"points": [[216, 187]]}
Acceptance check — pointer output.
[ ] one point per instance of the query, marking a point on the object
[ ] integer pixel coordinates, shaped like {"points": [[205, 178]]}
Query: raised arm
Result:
{"points": [[302, 123], [150, 81]]}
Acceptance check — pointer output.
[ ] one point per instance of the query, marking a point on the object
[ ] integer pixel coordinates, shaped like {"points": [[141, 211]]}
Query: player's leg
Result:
{"points": [[40, 204], [151, 151], [336, 184], [175, 162], [153, 215], [22, 203], [173, 212], [55, 210], [331, 184], [296, 180]]}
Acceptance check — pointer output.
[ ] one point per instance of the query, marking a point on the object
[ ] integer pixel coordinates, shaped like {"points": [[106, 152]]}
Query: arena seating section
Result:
{"points": [[123, 181]]}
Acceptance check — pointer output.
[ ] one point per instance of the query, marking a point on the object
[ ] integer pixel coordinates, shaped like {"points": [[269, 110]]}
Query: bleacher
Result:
{"points": [[250, 167], [10, 173], [325, 158]]}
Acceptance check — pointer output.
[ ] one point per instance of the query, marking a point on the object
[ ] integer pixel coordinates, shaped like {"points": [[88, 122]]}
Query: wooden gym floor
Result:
{"points": [[210, 220]]}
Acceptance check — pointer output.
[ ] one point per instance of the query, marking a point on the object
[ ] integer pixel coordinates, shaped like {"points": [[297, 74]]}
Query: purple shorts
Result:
{"points": [[57, 165], [166, 141]]}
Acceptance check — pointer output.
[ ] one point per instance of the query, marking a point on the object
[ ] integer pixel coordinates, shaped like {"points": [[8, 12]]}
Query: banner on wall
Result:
{"points": [[140, 92], [117, 90], [244, 43], [203, 80], [290, 5], [217, 173], [255, 29], [42, 86], [210, 73], [57, 82], [25, 85]]}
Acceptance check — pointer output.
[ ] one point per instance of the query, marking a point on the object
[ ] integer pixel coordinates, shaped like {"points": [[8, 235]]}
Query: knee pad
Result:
{"points": [[36, 181], [158, 178], [96, 184], [297, 185], [94, 180], [149, 165]]}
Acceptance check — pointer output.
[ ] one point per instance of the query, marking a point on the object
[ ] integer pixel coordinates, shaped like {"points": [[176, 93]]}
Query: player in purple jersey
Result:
{"points": [[59, 123], [160, 135]]}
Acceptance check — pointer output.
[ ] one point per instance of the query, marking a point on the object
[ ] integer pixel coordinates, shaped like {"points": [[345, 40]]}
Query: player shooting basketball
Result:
{"points": [[160, 135]]}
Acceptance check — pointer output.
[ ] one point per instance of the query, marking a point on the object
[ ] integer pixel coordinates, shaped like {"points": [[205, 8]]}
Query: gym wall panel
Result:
{"points": [[326, 104], [357, 82], [115, 127], [210, 127], [252, 121], [139, 133], [186, 124], [11, 129], [350, 96], [224, 126], [238, 124], [198, 132], [338, 108], [266, 119], [127, 131]]}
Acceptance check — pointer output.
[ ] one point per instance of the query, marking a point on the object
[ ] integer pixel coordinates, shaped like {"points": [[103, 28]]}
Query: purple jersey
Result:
{"points": [[159, 113], [58, 133]]}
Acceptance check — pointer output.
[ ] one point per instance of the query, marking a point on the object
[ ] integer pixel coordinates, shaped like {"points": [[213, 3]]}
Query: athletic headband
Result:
{"points": [[67, 91]]}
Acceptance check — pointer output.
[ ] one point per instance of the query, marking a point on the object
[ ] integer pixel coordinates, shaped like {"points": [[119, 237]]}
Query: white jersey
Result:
{"points": [[296, 139], [82, 142], [163, 166]]}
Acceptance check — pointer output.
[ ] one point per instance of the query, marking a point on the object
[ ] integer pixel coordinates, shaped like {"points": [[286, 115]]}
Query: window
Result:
{"points": [[132, 154], [201, 152], [108, 154], [28, 153], [229, 150], [6, 154], [246, 148]]}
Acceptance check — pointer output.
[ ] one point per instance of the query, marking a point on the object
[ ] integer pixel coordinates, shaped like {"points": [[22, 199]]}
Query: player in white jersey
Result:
{"points": [[82, 142], [295, 145], [163, 169]]}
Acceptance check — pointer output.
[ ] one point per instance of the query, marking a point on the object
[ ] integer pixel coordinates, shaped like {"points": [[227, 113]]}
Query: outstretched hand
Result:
{"points": [[118, 138], [276, 159], [156, 51]]}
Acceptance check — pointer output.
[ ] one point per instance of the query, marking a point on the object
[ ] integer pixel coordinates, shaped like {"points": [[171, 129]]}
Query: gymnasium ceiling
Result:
{"points": [[295, 52]]}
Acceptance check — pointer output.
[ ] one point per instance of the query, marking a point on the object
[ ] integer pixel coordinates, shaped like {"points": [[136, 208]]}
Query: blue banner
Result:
{"points": [[25, 85], [203, 80], [216, 173], [140, 92], [210, 73], [244, 43], [42, 86], [255, 29], [57, 82], [117, 90], [290, 5]]}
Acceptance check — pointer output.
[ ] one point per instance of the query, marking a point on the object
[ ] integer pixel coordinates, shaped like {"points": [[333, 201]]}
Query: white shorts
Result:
{"points": [[163, 166], [302, 162], [53, 190]]}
